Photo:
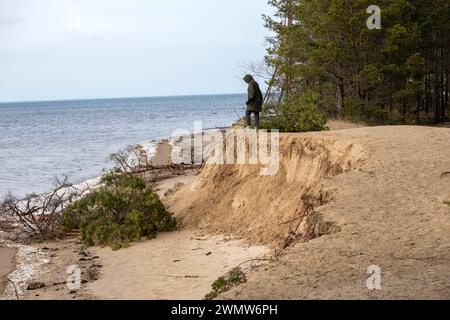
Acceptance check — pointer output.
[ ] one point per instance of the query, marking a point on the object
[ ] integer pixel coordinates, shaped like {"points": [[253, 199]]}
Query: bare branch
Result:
{"points": [[38, 215]]}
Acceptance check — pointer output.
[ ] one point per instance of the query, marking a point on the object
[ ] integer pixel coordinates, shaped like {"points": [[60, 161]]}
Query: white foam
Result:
{"points": [[31, 264], [145, 150]]}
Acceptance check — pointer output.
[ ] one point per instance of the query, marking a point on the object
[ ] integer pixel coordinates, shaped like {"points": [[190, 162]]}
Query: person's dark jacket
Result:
{"points": [[255, 98]]}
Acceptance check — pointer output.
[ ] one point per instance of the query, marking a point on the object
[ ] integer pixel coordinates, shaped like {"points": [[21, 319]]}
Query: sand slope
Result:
{"points": [[363, 196], [238, 200], [176, 265]]}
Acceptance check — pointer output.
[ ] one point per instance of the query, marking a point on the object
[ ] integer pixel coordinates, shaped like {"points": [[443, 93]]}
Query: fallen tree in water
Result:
{"points": [[38, 215]]}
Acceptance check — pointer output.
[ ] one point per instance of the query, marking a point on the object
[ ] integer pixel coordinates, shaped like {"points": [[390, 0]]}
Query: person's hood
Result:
{"points": [[248, 78]]}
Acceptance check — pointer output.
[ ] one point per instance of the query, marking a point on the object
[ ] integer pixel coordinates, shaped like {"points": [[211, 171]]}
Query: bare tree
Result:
{"points": [[134, 160], [38, 215]]}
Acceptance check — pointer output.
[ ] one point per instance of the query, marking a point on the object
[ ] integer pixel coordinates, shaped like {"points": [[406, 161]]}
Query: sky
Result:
{"points": [[83, 49]]}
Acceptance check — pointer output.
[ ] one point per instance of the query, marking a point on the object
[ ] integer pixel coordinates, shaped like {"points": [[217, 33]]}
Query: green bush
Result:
{"points": [[234, 278], [122, 210], [296, 115]]}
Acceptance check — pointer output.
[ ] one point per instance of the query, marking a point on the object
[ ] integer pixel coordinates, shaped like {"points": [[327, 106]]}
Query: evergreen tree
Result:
{"points": [[399, 72]]}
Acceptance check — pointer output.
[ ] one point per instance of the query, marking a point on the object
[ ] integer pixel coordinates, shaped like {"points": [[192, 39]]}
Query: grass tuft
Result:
{"points": [[223, 284]]}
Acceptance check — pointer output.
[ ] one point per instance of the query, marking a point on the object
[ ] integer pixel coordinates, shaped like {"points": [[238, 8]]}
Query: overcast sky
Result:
{"points": [[60, 49]]}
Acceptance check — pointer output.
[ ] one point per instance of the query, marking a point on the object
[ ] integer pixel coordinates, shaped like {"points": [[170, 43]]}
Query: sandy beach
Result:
{"points": [[175, 266], [342, 200]]}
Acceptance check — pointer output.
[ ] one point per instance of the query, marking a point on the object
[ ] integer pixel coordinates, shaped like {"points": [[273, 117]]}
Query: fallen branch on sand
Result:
{"points": [[170, 167], [135, 160], [444, 174], [15, 289], [260, 260], [179, 276]]}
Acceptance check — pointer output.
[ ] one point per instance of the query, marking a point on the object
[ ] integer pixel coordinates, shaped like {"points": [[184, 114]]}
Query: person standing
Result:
{"points": [[254, 101]]}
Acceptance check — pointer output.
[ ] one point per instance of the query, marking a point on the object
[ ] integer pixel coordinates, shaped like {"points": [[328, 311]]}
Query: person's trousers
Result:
{"points": [[248, 115]]}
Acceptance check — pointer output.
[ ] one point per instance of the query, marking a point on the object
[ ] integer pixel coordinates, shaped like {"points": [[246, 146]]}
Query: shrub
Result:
{"points": [[234, 278], [296, 115], [122, 210]]}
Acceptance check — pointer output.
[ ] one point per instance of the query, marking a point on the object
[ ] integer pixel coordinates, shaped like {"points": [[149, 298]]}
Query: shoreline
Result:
{"points": [[28, 263], [157, 150], [7, 265]]}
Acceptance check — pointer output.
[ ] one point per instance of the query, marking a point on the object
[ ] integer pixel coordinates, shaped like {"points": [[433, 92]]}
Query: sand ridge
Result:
{"points": [[238, 200], [391, 214]]}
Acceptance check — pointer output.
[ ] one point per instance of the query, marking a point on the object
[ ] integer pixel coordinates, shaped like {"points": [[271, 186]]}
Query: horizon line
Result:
{"points": [[121, 98]]}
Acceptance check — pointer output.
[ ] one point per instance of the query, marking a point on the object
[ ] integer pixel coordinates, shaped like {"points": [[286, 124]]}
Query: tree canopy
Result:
{"points": [[398, 73]]}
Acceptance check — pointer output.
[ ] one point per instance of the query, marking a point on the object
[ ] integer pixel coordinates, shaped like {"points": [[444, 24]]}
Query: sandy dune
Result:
{"points": [[381, 188]]}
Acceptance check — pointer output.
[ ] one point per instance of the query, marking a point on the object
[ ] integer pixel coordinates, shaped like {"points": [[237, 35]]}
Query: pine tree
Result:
{"points": [[400, 72]]}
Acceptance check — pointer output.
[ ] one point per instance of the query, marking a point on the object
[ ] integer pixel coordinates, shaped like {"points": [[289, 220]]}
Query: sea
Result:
{"points": [[41, 141]]}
